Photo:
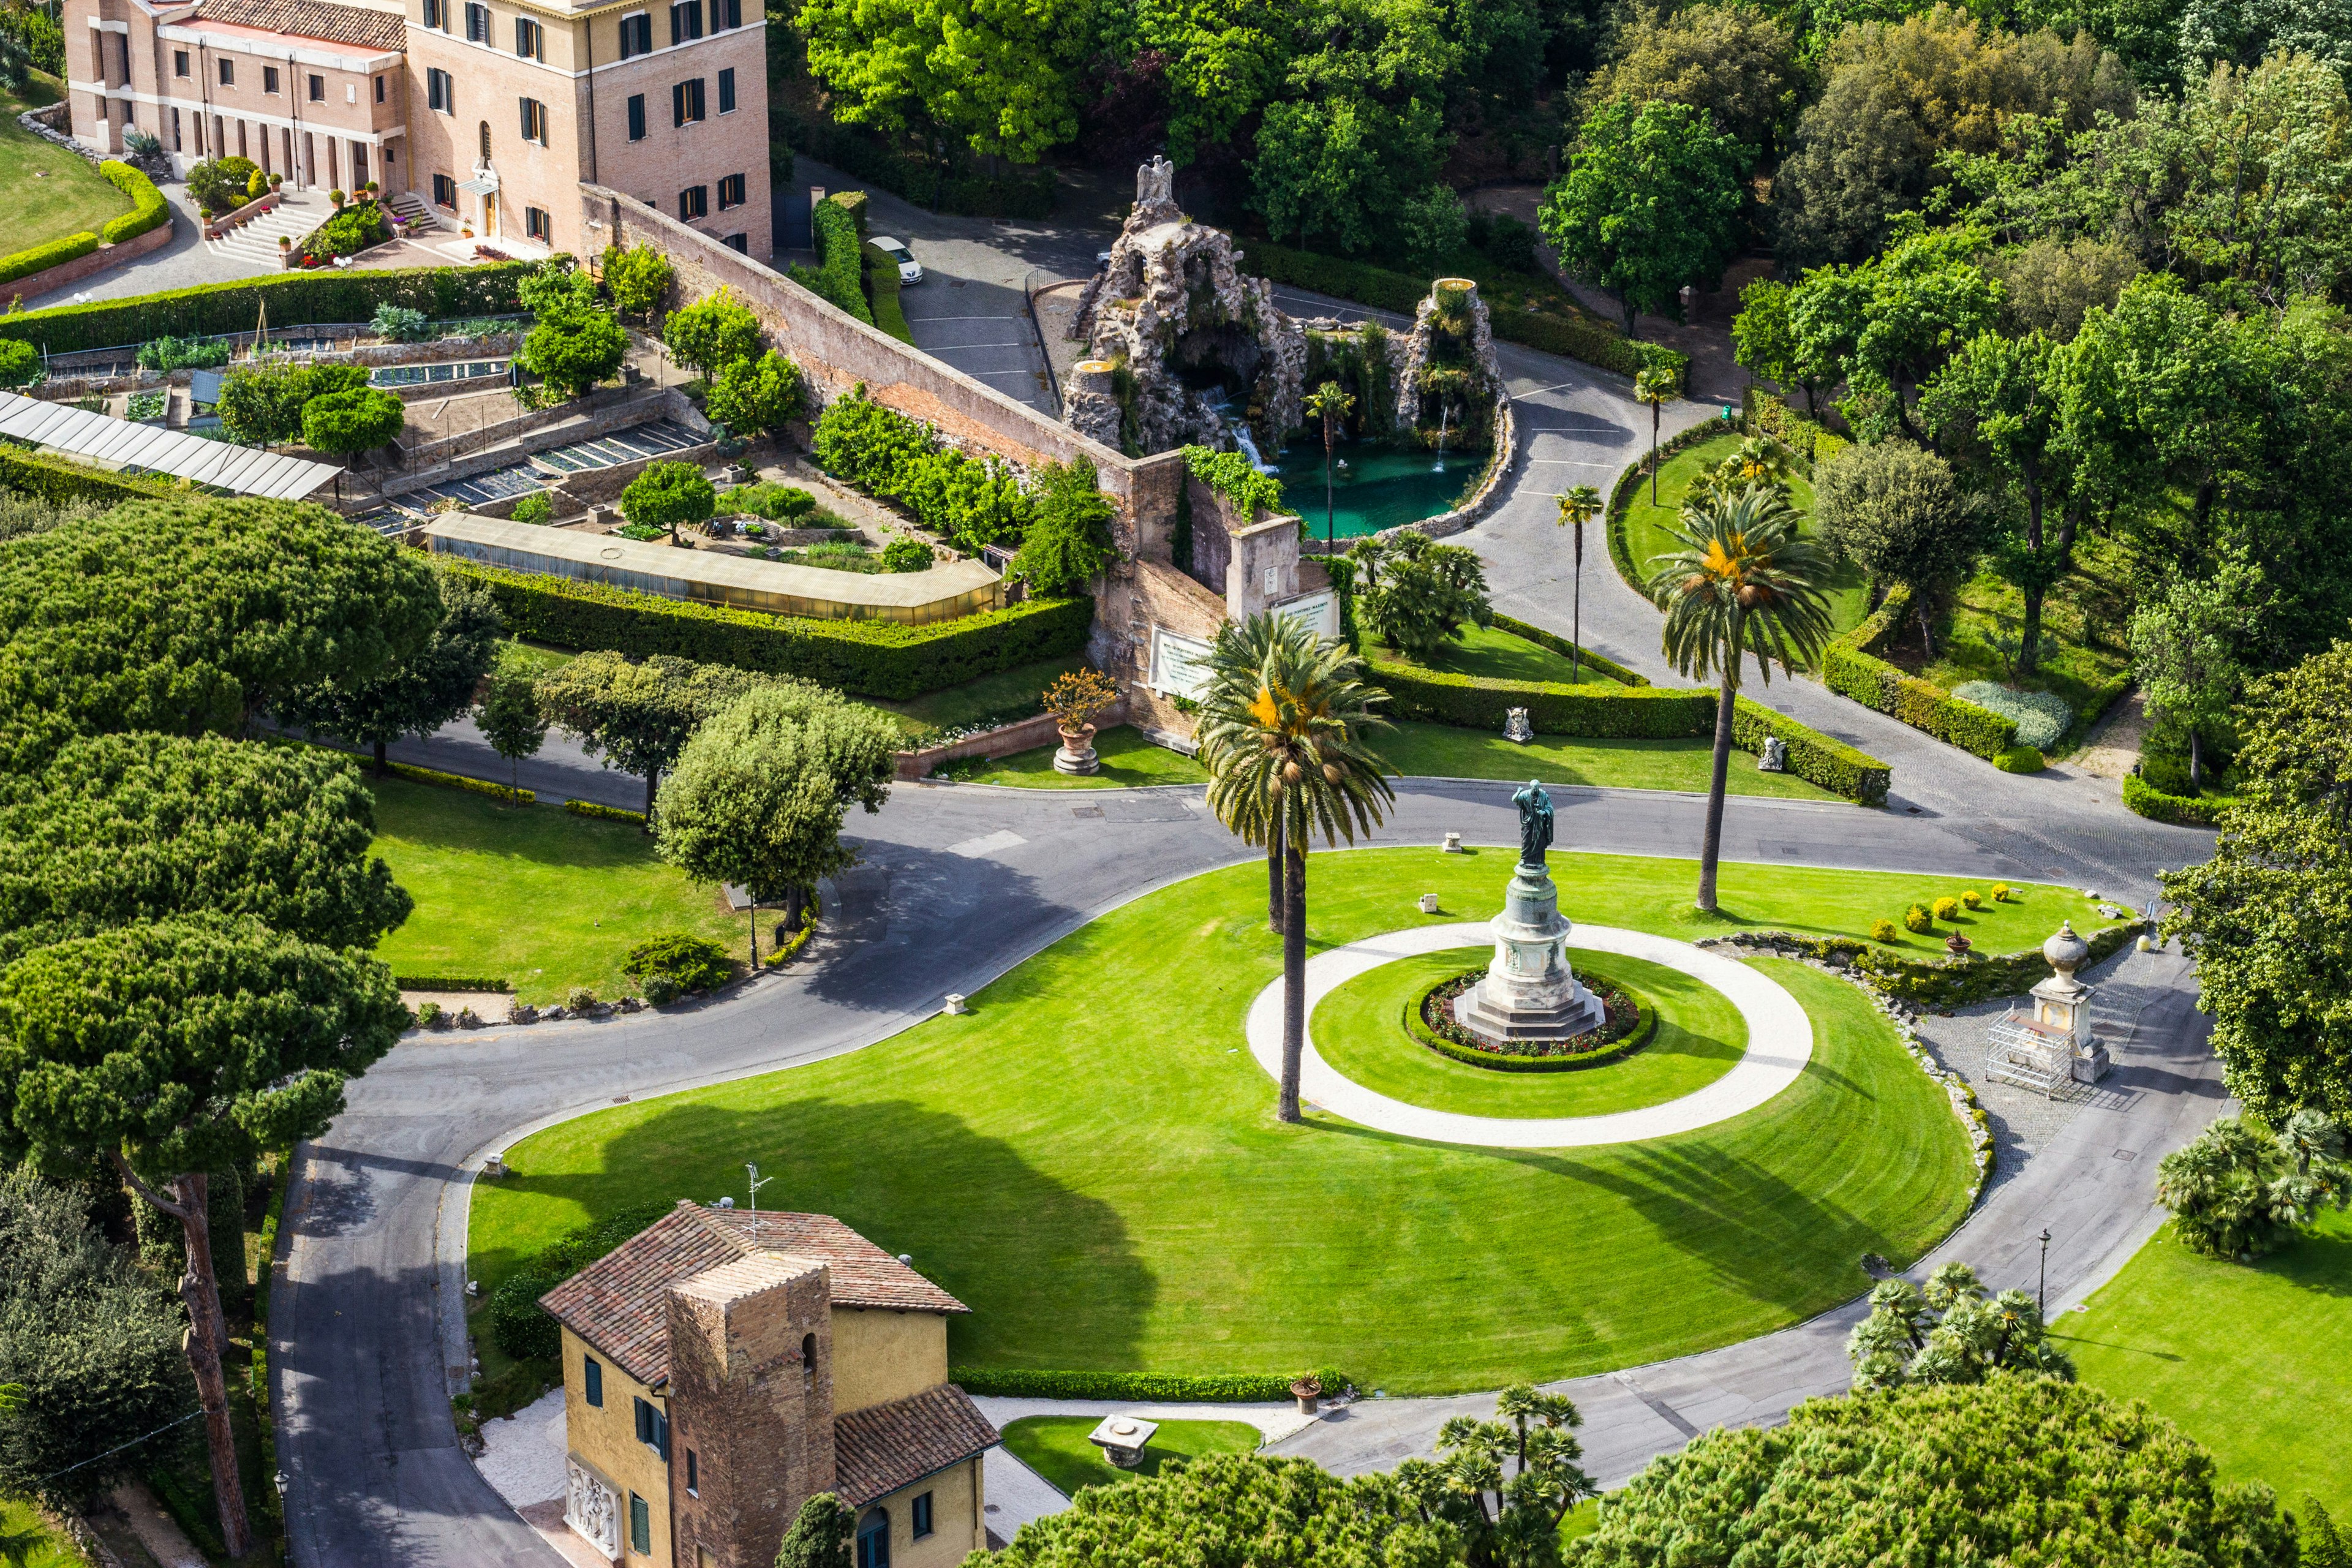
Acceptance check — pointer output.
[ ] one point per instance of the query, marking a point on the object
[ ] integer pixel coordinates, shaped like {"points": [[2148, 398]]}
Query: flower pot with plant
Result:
{"points": [[1074, 700], [1306, 1391]]}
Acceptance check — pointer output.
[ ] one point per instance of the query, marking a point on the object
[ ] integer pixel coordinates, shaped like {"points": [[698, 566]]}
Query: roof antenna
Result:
{"points": [[756, 1184]]}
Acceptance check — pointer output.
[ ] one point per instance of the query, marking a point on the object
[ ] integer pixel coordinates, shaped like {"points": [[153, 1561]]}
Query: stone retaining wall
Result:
{"points": [[636, 408], [32, 286], [1491, 493], [1009, 740]]}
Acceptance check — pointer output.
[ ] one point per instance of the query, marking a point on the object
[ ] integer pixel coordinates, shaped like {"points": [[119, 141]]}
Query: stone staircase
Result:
{"points": [[255, 244], [417, 210]]}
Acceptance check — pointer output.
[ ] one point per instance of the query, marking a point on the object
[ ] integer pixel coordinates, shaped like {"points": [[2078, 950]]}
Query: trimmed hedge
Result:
{"points": [[415, 774], [451, 983], [293, 297], [882, 291], [865, 659], [835, 276], [604, 812], [41, 258], [148, 207], [1021, 1382], [1644, 1030], [1813, 756], [1387, 290], [1806, 442], [2179, 809], [1565, 648], [1849, 668], [1941, 983], [53, 478]]}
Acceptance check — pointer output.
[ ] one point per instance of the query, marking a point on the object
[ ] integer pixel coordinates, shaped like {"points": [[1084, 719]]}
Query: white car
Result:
{"points": [[910, 269]]}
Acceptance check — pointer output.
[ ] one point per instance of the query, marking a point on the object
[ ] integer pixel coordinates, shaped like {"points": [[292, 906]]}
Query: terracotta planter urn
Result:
{"points": [[1077, 752], [1307, 1390]]}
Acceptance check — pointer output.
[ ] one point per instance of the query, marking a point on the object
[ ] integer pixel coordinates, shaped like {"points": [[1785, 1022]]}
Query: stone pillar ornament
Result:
{"points": [[1530, 992], [2062, 1004]]}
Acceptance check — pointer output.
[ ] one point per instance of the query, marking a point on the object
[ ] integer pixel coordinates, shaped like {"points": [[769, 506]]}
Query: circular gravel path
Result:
{"points": [[1779, 1043]]}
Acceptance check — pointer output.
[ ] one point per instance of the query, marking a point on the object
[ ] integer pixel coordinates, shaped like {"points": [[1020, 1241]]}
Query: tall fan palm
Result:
{"points": [[1657, 388], [1742, 582], [1283, 726], [1330, 405], [1578, 506]]}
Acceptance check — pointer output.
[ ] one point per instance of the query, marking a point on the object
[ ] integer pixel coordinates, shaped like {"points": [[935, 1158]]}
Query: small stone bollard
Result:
{"points": [[1453, 843], [495, 1166], [956, 1005], [1429, 903]]}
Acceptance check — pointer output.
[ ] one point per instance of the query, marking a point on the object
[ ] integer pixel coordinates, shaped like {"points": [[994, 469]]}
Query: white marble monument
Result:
{"points": [[1530, 992]]}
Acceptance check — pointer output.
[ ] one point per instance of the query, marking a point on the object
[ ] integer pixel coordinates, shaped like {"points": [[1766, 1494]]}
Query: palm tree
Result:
{"points": [[1578, 506], [1656, 388], [1329, 403], [1283, 726], [1744, 582]]}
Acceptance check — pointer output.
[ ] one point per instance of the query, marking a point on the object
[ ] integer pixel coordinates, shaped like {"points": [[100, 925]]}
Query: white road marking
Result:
{"points": [[987, 844]]}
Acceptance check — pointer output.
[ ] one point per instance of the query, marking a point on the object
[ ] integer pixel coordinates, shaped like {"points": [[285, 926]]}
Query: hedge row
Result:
{"points": [[834, 277], [1567, 649], [1850, 669], [1387, 290], [148, 207], [604, 812], [293, 299], [1644, 1031], [1017, 1382], [1813, 756], [54, 479], [451, 983], [1806, 441], [1945, 981], [415, 774], [49, 253], [866, 659], [882, 291], [2155, 803]]}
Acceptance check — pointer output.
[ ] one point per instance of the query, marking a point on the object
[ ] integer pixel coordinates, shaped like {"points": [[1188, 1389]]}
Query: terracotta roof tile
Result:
{"points": [[385, 32], [615, 1303], [882, 1448]]}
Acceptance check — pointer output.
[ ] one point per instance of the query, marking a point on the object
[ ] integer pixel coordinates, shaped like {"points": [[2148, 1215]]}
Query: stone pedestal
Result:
{"points": [[2061, 1004], [1530, 992], [1077, 754]]}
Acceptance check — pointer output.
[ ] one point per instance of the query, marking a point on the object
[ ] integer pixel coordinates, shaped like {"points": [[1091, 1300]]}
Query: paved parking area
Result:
{"points": [[983, 329]]}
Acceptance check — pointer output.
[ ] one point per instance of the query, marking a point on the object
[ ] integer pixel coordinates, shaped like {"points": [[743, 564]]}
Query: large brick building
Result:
{"points": [[491, 112], [723, 1367]]}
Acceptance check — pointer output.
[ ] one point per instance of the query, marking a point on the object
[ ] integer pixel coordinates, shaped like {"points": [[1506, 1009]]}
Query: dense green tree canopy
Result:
{"points": [[416, 695], [713, 332], [1735, 62], [638, 713], [1069, 540], [752, 396], [1888, 325], [997, 77], [669, 495], [102, 631], [1336, 168], [122, 828], [2019, 1470], [1896, 512], [1651, 200], [354, 421]]}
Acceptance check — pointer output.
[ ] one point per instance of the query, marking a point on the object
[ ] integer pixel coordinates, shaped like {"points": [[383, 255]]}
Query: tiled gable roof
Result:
{"points": [[882, 1448], [384, 32], [615, 1303]]}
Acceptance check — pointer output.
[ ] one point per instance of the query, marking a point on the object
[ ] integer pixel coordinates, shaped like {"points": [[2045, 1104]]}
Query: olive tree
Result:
{"points": [[357, 420], [668, 494]]}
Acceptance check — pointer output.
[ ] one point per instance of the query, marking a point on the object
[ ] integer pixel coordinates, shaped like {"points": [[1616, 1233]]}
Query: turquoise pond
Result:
{"points": [[1379, 488]]}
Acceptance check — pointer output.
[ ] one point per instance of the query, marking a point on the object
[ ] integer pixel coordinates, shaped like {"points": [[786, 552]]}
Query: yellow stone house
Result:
{"points": [[721, 1367]]}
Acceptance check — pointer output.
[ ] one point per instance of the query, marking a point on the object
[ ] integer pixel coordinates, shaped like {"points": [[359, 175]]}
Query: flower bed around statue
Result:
{"points": [[1630, 1021]]}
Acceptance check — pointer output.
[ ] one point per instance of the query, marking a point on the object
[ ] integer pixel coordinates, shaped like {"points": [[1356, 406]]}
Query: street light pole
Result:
{"points": [[2042, 1290]]}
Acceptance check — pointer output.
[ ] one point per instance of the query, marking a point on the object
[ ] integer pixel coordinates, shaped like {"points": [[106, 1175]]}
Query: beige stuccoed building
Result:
{"points": [[723, 1367], [490, 112]]}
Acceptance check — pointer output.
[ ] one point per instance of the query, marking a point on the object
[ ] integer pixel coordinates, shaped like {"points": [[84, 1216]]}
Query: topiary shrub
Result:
{"points": [[2020, 759], [906, 555], [519, 1324], [1972, 900], [1916, 918], [1948, 909], [1881, 931], [687, 962]]}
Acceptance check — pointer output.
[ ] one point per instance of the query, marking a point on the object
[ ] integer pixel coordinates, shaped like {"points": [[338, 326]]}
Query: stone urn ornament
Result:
{"points": [[1307, 1390], [1074, 701]]}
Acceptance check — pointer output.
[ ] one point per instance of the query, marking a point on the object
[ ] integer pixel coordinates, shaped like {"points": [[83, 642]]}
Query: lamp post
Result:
{"points": [[2042, 1290]]}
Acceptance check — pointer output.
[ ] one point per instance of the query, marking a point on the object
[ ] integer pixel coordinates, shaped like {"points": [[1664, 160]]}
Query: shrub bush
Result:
{"points": [[690, 963], [519, 1324], [2020, 759], [1232, 476], [882, 293], [220, 184], [169, 353], [20, 363], [1850, 669], [1972, 900], [148, 207], [293, 299], [2000, 891], [415, 774], [777, 503], [54, 478], [41, 258], [538, 506], [1881, 931], [351, 421], [2041, 717], [835, 276], [2187, 811], [906, 555], [398, 323], [604, 812], [885, 453], [1948, 909], [865, 659], [1918, 919]]}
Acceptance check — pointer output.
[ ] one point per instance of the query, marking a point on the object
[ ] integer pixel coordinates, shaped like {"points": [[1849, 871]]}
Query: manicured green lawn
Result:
{"points": [[1128, 760], [1492, 654], [1648, 527], [1359, 1029], [2085, 621], [52, 191], [1056, 1446], [28, 1540], [539, 658], [546, 899], [1091, 1161], [1018, 687], [2248, 1359], [1441, 751]]}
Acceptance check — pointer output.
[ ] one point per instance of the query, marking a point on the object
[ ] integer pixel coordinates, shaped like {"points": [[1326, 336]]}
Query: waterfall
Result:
{"points": [[1241, 439], [1445, 417]]}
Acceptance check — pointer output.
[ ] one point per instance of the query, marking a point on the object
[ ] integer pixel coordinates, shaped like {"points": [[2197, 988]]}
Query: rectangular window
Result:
{"points": [[685, 100], [534, 120], [437, 13], [734, 10], [269, 78], [694, 202], [742, 242], [179, 62], [637, 117], [727, 91], [731, 191], [641, 1526], [636, 34], [530, 40], [653, 1428], [693, 1476], [437, 93], [317, 88], [444, 195], [921, 1513], [478, 22], [228, 73], [686, 22], [591, 1379], [379, 89], [536, 223]]}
